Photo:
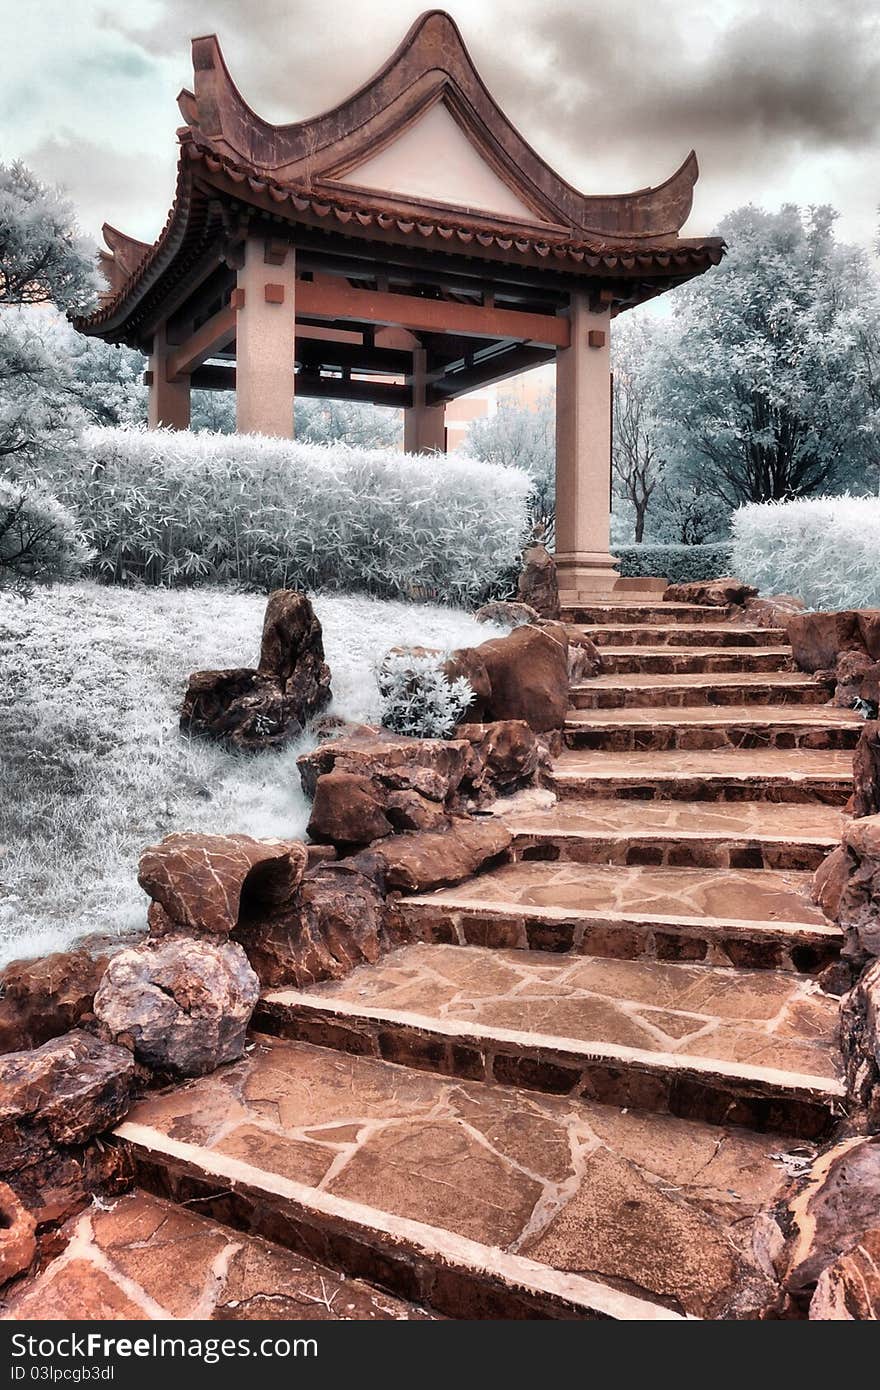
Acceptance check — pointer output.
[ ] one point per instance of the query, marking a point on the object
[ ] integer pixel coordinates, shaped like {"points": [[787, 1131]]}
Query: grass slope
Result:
{"points": [[92, 766]]}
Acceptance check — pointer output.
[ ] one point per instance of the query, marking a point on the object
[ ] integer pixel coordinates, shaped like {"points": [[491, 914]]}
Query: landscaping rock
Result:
{"points": [[509, 755], [849, 1289], [528, 673], [817, 639], [182, 1004], [419, 862], [866, 771], [349, 809], [774, 611], [827, 1214], [868, 624], [337, 922], [857, 677], [43, 998], [205, 883], [860, 1045], [60, 1095], [710, 593], [409, 810], [584, 657], [292, 650], [467, 662], [538, 586], [507, 613], [829, 881], [18, 1244], [261, 709], [847, 886], [435, 767]]}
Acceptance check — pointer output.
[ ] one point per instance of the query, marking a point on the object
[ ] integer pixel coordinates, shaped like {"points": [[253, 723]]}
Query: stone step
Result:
{"points": [[118, 1263], [681, 834], [705, 726], [702, 635], [479, 1201], [642, 690], [631, 611], [748, 1047], [694, 660], [716, 774], [759, 918]]}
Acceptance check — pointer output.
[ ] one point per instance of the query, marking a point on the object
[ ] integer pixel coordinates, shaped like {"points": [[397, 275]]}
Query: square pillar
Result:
{"points": [[584, 562], [168, 402], [424, 426], [265, 297]]}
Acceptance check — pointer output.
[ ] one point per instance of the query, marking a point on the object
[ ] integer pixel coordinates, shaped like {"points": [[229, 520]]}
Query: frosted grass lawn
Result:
{"points": [[93, 767]]}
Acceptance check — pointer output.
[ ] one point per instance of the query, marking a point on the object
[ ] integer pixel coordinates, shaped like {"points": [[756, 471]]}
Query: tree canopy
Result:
{"points": [[44, 257]]}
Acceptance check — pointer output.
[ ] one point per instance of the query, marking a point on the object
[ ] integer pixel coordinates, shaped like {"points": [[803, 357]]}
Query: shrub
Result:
{"points": [[38, 538], [823, 549], [678, 563], [418, 698], [173, 508]]}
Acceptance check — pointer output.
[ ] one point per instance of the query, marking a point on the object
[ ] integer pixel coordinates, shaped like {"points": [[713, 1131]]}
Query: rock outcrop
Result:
{"points": [[528, 675], [866, 771], [860, 1044], [253, 709], [18, 1244], [538, 585], [843, 649]]}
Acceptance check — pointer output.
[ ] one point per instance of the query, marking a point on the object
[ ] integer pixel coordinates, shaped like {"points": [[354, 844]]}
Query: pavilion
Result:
{"points": [[402, 248]]}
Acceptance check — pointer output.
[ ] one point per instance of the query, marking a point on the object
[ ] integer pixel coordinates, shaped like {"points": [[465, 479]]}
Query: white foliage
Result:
{"points": [[823, 550], [93, 767], [172, 507], [417, 696]]}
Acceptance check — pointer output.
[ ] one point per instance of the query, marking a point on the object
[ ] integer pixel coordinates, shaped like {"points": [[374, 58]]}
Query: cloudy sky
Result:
{"points": [[780, 98]]}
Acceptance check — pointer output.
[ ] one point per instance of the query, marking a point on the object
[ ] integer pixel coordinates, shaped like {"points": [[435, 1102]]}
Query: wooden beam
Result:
{"points": [[217, 333], [446, 386], [429, 315], [215, 378], [313, 355]]}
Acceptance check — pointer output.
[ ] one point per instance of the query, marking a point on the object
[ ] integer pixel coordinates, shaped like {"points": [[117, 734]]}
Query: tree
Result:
{"points": [[38, 538], [766, 390], [638, 458], [523, 437], [363, 426], [43, 255]]}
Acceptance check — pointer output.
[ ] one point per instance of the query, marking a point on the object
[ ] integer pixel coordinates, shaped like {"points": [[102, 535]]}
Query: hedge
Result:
{"points": [[677, 563]]}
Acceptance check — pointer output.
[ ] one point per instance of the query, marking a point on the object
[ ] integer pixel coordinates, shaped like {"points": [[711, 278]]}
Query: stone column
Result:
{"points": [[168, 402], [265, 297], [424, 426], [583, 456]]}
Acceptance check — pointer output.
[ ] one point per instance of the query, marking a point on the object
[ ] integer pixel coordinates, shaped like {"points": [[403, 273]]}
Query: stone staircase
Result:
{"points": [[569, 1096]]}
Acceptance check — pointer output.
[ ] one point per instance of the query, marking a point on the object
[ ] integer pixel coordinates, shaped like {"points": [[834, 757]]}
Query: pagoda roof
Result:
{"points": [[233, 164]]}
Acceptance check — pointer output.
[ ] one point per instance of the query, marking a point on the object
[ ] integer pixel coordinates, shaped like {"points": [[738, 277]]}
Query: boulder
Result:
{"points": [[847, 887], [240, 707], [43, 998], [261, 709], [433, 766], [509, 755], [409, 810], [205, 883], [773, 611], [467, 662], [419, 862], [528, 673], [710, 593], [866, 771], [292, 651], [538, 586], [59, 1095], [825, 1214], [829, 881], [860, 1044], [584, 657], [18, 1244], [507, 613], [849, 1289], [868, 626], [857, 677], [338, 921], [181, 1004], [817, 639], [349, 809]]}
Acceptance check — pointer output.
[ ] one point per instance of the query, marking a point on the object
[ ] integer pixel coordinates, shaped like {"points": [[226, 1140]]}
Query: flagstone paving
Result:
{"points": [[514, 1187], [147, 1259]]}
